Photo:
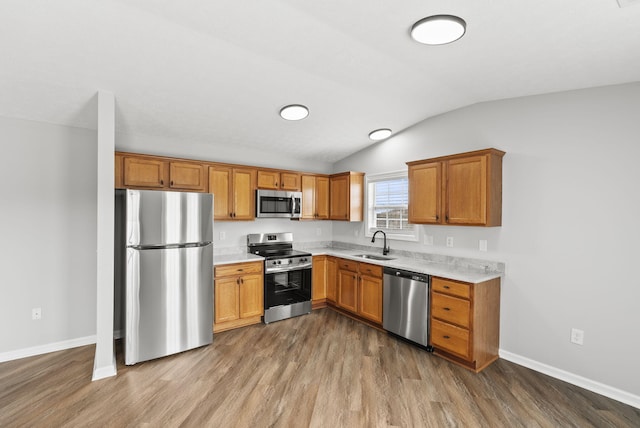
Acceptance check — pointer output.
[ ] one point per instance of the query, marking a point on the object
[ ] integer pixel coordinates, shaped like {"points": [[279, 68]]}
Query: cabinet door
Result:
{"points": [[244, 194], [186, 175], [319, 278], [348, 290], [251, 296], [332, 279], [140, 172], [425, 190], [220, 184], [370, 298], [225, 301], [322, 198], [308, 197], [466, 196], [290, 181], [268, 180], [339, 196]]}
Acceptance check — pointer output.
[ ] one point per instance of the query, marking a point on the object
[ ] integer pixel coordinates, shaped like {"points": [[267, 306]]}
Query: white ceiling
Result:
{"points": [[218, 71]]}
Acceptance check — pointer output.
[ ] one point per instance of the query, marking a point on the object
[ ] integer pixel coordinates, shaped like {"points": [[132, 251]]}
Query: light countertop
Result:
{"points": [[449, 271], [445, 270]]}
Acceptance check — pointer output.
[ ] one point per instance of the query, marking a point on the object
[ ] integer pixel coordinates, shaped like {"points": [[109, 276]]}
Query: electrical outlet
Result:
{"points": [[449, 241], [36, 313], [482, 245], [223, 236], [577, 336], [428, 239]]}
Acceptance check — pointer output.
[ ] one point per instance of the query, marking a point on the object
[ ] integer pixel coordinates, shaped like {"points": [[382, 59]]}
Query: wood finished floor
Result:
{"points": [[319, 370]]}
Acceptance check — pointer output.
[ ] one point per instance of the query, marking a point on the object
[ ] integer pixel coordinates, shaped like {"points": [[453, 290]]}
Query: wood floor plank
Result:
{"points": [[318, 370]]}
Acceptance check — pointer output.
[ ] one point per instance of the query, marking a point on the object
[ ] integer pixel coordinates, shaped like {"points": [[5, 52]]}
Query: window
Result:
{"points": [[388, 206]]}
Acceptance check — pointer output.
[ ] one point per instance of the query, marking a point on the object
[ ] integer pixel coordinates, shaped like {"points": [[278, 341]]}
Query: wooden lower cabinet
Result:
{"points": [[359, 289], [319, 282], [332, 279], [238, 295], [465, 321]]}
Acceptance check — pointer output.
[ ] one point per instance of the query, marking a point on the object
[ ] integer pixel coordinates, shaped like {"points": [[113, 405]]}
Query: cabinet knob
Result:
{"points": [[446, 287], [446, 337], [446, 309], [162, 182], [171, 183]]}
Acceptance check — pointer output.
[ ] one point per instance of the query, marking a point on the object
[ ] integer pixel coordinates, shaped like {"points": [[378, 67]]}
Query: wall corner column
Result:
{"points": [[105, 362]]}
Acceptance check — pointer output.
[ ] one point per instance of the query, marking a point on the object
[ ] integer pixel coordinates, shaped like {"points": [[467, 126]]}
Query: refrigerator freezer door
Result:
{"points": [[166, 218], [169, 301]]}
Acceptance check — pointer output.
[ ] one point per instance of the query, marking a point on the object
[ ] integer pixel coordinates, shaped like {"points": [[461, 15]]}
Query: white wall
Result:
{"points": [[570, 231], [48, 230], [217, 152]]}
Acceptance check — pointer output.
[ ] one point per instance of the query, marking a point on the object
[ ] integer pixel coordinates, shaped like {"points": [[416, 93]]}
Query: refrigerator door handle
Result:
{"points": [[170, 246]]}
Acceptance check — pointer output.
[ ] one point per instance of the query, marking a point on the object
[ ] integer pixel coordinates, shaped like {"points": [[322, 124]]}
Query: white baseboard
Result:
{"points": [[104, 372], [45, 349], [582, 382]]}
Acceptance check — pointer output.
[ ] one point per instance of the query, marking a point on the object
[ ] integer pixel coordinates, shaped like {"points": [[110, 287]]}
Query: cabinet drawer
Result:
{"points": [[450, 338], [447, 286], [348, 265], [371, 270], [238, 269], [450, 309]]}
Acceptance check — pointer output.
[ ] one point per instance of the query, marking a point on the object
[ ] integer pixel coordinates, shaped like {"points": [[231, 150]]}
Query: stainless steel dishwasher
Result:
{"points": [[405, 310]]}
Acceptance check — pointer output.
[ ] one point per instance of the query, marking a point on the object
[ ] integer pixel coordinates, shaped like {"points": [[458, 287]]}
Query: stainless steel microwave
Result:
{"points": [[278, 203]]}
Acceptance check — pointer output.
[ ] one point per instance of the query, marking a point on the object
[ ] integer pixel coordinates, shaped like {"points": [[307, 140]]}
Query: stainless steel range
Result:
{"points": [[287, 275]]}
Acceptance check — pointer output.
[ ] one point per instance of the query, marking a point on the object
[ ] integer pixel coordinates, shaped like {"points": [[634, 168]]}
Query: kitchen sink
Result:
{"points": [[374, 257]]}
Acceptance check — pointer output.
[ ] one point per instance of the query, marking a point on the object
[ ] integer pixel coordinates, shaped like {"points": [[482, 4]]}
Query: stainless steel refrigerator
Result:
{"points": [[164, 271]]}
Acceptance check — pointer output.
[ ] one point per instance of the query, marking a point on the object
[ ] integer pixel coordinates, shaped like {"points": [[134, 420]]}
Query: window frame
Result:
{"points": [[369, 226]]}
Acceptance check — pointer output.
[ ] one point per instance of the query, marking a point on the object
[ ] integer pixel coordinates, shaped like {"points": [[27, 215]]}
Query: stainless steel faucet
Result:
{"points": [[385, 249]]}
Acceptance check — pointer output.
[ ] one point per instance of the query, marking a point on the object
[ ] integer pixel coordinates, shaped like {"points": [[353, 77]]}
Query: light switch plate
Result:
{"points": [[482, 245]]}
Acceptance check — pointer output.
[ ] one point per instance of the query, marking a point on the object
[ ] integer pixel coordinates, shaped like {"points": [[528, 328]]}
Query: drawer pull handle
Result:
{"points": [[446, 309], [446, 337], [240, 270], [447, 287]]}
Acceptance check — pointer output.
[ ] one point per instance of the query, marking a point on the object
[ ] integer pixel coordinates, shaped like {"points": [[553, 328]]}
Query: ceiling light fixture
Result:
{"points": [[294, 112], [379, 134], [438, 29]]}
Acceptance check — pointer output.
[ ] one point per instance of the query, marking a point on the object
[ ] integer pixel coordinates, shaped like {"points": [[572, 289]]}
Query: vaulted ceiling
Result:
{"points": [[218, 71]]}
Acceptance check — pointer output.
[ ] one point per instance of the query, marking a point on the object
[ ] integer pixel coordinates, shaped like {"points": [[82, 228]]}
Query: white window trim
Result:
{"points": [[368, 231]]}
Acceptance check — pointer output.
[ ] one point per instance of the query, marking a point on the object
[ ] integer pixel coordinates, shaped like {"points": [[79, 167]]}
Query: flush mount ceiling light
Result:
{"points": [[294, 112], [379, 134], [438, 29]]}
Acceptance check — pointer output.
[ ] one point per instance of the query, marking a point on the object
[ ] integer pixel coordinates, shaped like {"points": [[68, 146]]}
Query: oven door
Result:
{"points": [[286, 288]]}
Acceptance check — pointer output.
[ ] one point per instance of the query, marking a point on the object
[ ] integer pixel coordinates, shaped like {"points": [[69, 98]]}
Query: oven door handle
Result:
{"points": [[287, 269]]}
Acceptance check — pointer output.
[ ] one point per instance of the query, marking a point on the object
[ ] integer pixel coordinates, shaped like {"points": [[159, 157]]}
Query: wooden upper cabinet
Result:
{"points": [[187, 176], [463, 189], [425, 190], [118, 166], [244, 193], [220, 185], [315, 197], [146, 172], [278, 180], [233, 192], [466, 192], [346, 196], [143, 172]]}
